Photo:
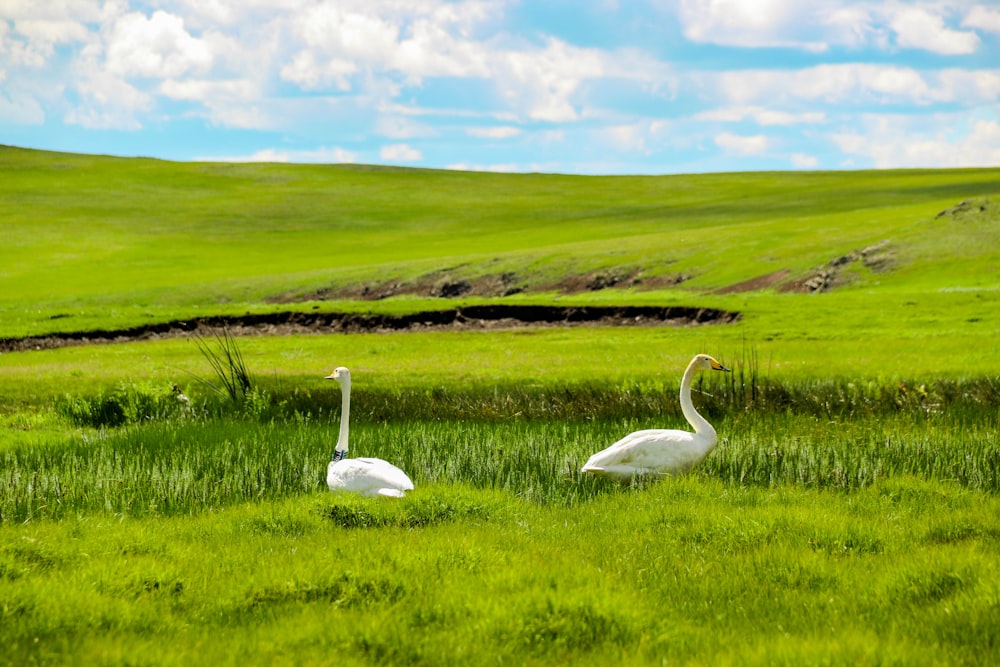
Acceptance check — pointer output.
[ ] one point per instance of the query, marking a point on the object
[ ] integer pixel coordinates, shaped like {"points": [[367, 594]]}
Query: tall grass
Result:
{"points": [[226, 359], [146, 453], [189, 463], [717, 395], [127, 403]]}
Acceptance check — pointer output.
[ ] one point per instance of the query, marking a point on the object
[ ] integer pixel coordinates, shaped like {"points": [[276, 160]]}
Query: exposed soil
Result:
{"points": [[611, 278], [453, 283], [966, 208], [441, 284], [877, 258], [469, 318], [760, 282]]}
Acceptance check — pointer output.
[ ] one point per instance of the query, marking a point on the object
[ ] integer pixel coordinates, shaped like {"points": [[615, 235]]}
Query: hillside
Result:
{"points": [[101, 242]]}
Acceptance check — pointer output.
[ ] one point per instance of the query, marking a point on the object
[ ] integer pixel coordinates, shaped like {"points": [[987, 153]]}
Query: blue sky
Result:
{"points": [[600, 87]]}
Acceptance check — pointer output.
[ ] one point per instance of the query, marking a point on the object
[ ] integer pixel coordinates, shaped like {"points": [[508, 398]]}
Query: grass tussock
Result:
{"points": [[226, 359]]}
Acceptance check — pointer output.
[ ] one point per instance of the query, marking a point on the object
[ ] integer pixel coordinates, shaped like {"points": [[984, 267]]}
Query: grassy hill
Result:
{"points": [[93, 241], [885, 272]]}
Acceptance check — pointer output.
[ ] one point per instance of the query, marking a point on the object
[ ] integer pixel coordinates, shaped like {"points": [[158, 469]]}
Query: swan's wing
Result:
{"points": [[650, 451], [629, 441], [368, 477], [625, 449], [392, 477]]}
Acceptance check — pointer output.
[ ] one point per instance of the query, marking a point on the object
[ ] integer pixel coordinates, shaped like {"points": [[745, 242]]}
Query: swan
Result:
{"points": [[661, 451], [367, 477]]}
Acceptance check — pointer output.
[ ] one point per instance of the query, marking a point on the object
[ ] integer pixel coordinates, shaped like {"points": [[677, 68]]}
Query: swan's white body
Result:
{"points": [[661, 451], [364, 476]]}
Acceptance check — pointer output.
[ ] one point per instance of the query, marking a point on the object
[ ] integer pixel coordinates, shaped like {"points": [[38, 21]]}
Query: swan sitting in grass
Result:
{"points": [[661, 451], [367, 477]]}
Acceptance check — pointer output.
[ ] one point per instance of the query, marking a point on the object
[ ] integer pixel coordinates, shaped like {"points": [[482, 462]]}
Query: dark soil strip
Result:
{"points": [[470, 318]]}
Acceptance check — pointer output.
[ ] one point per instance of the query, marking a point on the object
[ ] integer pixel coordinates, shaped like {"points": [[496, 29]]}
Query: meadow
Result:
{"points": [[847, 516]]}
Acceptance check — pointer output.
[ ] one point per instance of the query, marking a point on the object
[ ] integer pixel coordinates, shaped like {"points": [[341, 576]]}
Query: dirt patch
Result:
{"points": [[593, 281], [621, 278], [966, 208], [754, 284], [877, 258], [448, 284], [469, 318], [454, 283]]}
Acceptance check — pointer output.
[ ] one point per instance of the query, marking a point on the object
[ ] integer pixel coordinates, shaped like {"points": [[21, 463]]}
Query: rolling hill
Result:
{"points": [[102, 242]]}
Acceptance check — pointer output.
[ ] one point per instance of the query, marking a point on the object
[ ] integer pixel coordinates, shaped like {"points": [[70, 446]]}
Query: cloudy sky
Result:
{"points": [[573, 86]]}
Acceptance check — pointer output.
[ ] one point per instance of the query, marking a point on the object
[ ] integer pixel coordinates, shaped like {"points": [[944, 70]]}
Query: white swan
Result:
{"points": [[367, 477], [661, 451]]}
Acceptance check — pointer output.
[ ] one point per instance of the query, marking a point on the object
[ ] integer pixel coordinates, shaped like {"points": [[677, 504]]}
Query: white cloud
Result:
{"points": [[82, 10], [851, 84], [983, 18], [804, 161], [228, 57], [817, 25], [201, 89], [310, 74], [109, 102], [156, 47], [50, 32], [323, 155], [336, 43], [20, 109], [220, 13], [334, 154], [635, 137], [35, 29], [895, 141], [749, 23], [389, 45], [430, 49], [543, 83], [374, 72], [498, 168], [742, 145], [852, 26], [236, 103], [415, 40], [500, 132], [969, 87], [761, 116], [630, 138], [32, 42], [919, 28], [399, 153]]}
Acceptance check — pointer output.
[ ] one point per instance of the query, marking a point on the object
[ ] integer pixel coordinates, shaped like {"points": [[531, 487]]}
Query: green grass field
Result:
{"points": [[848, 515]]}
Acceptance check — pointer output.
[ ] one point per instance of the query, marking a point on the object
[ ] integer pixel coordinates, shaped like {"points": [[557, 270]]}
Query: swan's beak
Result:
{"points": [[716, 366], [330, 377]]}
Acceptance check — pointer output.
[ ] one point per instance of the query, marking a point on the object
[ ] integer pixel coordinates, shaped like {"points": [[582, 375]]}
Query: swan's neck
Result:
{"points": [[345, 418], [701, 427]]}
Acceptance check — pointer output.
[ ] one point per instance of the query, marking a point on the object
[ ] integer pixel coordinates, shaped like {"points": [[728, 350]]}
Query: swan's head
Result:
{"points": [[339, 374], [704, 362]]}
